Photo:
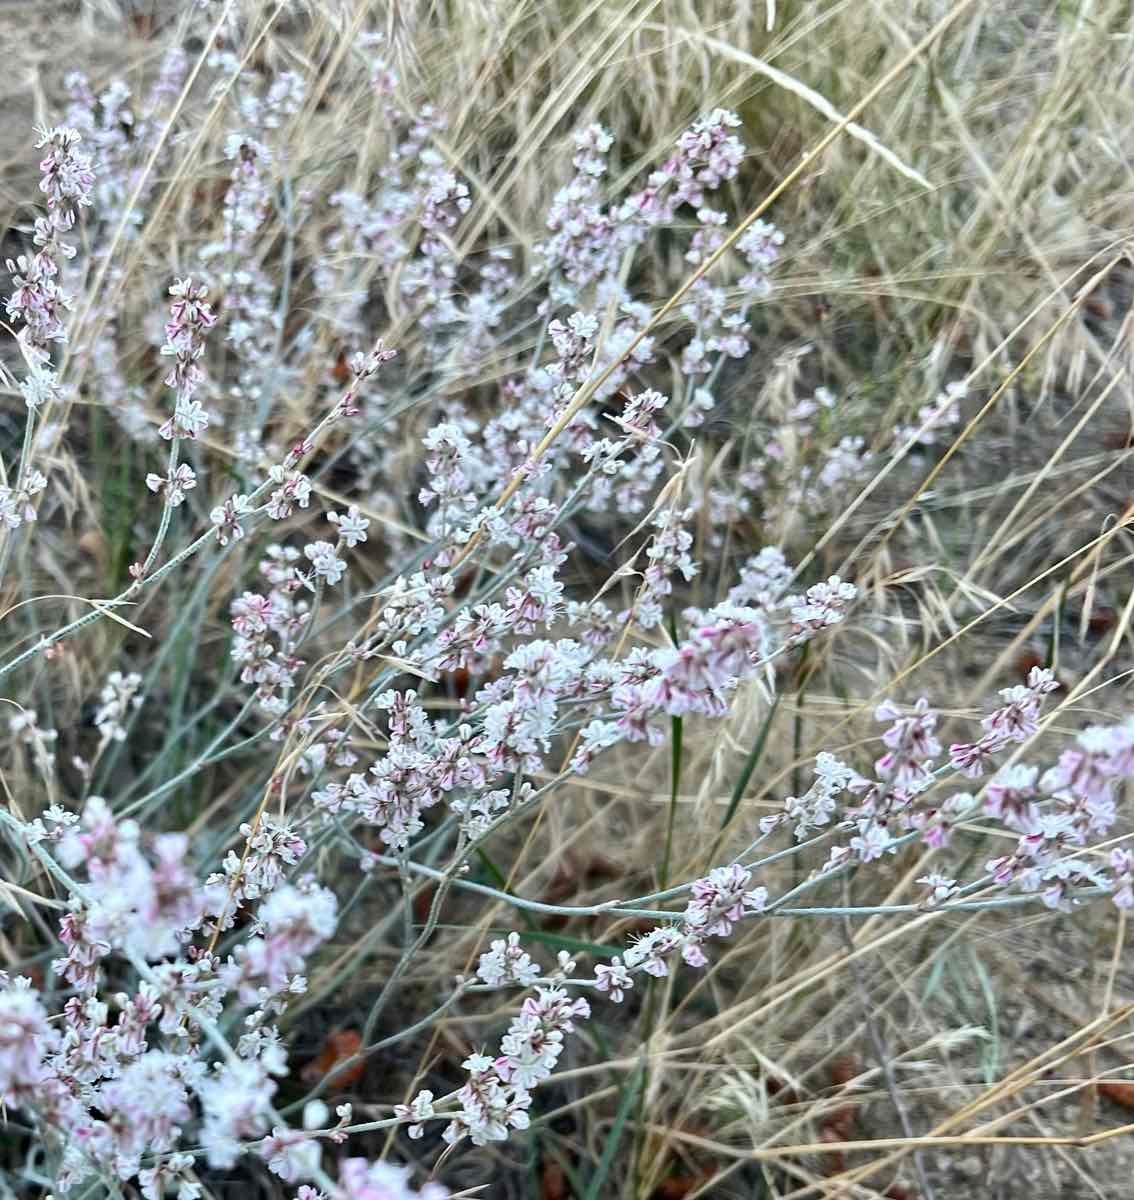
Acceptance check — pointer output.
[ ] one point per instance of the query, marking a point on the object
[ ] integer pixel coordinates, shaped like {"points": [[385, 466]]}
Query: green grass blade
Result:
{"points": [[614, 1137]]}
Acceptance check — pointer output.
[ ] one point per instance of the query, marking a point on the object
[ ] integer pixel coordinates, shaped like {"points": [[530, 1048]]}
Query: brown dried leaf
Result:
{"points": [[1119, 1091], [337, 1048], [677, 1187], [554, 1182]]}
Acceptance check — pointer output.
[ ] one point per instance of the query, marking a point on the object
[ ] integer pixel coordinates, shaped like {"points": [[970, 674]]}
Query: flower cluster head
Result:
{"points": [[360, 1179], [119, 697], [190, 318], [16, 503], [67, 176], [38, 300], [507, 962], [823, 605], [24, 1036], [818, 806], [1016, 720], [708, 154], [760, 244], [497, 1094], [1056, 812], [120, 1084], [721, 899]]}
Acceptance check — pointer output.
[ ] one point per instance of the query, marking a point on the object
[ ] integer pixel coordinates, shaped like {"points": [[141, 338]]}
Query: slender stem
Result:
{"points": [[777, 909], [167, 506]]}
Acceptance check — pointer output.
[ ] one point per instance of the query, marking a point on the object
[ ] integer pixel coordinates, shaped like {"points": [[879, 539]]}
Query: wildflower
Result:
{"points": [[1014, 721], [594, 737], [1122, 864], [445, 202], [941, 887], [190, 319], [719, 901], [613, 979], [507, 962], [363, 1180], [150, 1099], [539, 600], [25, 1040], [823, 605], [363, 366], [295, 920], [189, 420], [38, 300], [817, 806], [294, 490], [760, 245], [226, 518], [352, 526], [1008, 796], [117, 699], [418, 1111], [650, 951], [872, 841], [67, 176], [291, 1154], [174, 485], [325, 563], [16, 505], [40, 386], [235, 1101]]}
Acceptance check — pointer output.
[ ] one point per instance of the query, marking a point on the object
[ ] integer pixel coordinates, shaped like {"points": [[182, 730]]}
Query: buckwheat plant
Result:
{"points": [[365, 646]]}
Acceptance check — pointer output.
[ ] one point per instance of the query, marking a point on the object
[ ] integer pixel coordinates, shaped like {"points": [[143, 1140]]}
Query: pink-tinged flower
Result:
{"points": [[507, 962], [294, 491], [150, 1101], [695, 674], [720, 900], [189, 420], [538, 601], [1122, 864], [872, 841], [418, 1111], [914, 733], [67, 175], [972, 758], [823, 605], [614, 979], [190, 318], [38, 300], [25, 1040], [1009, 794], [226, 519], [363, 1180], [295, 920], [363, 366], [173, 486]]}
